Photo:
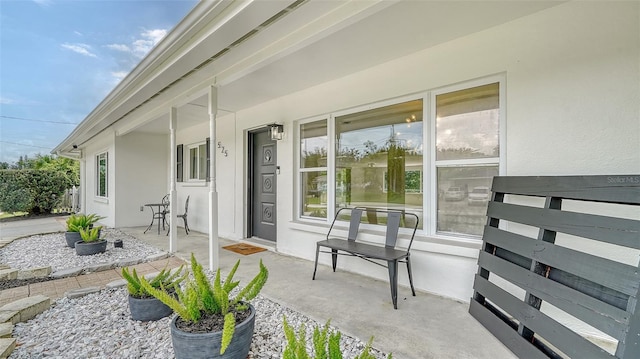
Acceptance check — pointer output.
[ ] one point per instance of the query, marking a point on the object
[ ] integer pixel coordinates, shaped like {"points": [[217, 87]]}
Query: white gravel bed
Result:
{"points": [[52, 250], [99, 326]]}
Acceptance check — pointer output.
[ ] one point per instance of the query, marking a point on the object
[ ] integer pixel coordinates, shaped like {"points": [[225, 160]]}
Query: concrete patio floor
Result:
{"points": [[425, 326]]}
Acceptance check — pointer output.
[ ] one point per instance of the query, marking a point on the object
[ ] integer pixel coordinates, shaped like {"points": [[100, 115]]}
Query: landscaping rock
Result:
{"points": [[40, 272], [69, 272], [29, 307], [116, 284], [81, 292], [8, 274], [7, 345], [5, 330], [99, 267]]}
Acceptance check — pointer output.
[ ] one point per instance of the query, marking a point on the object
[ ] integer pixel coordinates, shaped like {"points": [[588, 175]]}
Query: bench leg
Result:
{"points": [[393, 281], [315, 267], [413, 291], [334, 258]]}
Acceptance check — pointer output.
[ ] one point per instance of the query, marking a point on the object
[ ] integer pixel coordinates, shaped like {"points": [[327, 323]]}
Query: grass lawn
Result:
{"points": [[9, 215]]}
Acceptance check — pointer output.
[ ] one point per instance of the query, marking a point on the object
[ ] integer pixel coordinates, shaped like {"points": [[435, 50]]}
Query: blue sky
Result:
{"points": [[59, 59]]}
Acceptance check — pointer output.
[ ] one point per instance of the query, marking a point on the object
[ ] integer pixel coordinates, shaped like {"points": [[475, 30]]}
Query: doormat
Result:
{"points": [[244, 248]]}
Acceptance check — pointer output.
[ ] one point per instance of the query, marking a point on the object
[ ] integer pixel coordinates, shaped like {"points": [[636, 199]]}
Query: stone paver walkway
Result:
{"points": [[56, 289]]}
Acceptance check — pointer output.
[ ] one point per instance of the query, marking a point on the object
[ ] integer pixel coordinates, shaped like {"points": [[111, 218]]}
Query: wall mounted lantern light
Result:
{"points": [[277, 131]]}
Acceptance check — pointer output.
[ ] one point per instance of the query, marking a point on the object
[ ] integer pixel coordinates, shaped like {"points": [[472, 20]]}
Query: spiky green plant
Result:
{"points": [[326, 344], [90, 234], [75, 222], [168, 279], [202, 298]]}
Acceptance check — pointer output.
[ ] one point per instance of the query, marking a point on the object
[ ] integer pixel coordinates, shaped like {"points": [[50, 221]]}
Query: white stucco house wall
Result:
{"points": [[467, 89]]}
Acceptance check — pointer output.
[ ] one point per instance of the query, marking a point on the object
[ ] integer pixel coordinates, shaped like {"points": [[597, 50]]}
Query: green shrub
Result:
{"points": [[33, 191], [326, 344], [75, 222], [90, 234], [202, 298], [13, 198], [167, 279]]}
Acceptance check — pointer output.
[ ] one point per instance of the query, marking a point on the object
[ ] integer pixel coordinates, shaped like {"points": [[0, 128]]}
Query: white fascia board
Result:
{"points": [[181, 33]]}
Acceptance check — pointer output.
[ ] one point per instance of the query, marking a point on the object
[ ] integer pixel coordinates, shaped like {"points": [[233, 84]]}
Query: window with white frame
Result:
{"points": [[102, 174], [313, 169], [439, 167], [198, 162], [467, 156], [376, 151]]}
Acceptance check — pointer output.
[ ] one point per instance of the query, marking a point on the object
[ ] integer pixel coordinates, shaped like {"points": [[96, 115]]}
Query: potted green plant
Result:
{"points": [[91, 243], [326, 343], [209, 323], [142, 305], [75, 222]]}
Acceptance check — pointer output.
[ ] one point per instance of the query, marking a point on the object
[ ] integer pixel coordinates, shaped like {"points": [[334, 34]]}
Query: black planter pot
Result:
{"points": [[207, 345], [91, 248], [148, 309], [72, 238]]}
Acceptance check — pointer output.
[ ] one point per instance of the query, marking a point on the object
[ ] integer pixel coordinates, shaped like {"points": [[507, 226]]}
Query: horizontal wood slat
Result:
{"points": [[611, 274], [592, 311], [562, 338], [619, 231], [517, 344], [621, 189], [601, 292]]}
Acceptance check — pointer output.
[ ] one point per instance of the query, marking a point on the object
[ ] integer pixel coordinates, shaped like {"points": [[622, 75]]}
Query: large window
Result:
{"points": [[102, 170], [437, 164], [467, 156], [313, 168], [198, 162], [377, 151]]}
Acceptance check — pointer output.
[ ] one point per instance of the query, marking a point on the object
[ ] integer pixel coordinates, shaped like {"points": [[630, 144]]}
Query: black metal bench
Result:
{"points": [[371, 252], [556, 266]]}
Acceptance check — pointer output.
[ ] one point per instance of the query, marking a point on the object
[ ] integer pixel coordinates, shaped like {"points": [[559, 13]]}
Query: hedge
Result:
{"points": [[32, 191]]}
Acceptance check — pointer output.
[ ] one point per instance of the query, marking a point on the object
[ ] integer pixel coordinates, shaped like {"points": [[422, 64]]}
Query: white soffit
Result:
{"points": [[312, 43]]}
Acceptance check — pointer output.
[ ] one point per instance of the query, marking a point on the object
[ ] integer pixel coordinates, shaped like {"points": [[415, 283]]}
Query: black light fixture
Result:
{"points": [[276, 131]]}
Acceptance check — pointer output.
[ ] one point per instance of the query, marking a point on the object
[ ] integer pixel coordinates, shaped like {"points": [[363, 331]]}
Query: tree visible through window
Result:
{"points": [[438, 165]]}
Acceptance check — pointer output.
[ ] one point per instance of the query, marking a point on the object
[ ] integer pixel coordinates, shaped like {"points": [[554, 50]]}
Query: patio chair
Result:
{"points": [[184, 217], [165, 210]]}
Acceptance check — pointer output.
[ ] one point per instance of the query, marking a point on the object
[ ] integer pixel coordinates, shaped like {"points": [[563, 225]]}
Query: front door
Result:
{"points": [[262, 191]]}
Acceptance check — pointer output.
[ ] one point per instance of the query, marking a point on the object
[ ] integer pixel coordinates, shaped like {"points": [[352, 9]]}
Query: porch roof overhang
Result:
{"points": [[260, 50]]}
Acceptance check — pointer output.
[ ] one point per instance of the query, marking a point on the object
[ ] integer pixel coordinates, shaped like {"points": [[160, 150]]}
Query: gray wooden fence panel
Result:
{"points": [[564, 339], [619, 231], [615, 275], [601, 292], [600, 315], [590, 288], [622, 189]]}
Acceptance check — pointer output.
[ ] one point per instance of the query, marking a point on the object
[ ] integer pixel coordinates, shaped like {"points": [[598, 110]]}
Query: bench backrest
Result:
{"points": [[394, 218], [548, 252]]}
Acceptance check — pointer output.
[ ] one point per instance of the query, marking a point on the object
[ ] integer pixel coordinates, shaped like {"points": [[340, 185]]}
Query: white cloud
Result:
{"points": [[149, 38], [78, 33], [119, 75], [82, 49], [6, 101], [43, 3], [119, 47]]}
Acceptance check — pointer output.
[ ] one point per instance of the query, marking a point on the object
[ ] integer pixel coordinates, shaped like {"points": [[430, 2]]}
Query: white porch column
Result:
{"points": [[214, 245], [173, 195]]}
